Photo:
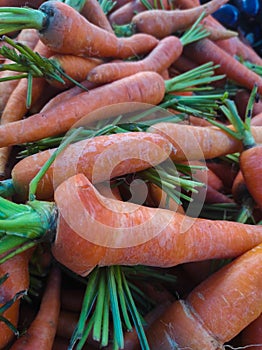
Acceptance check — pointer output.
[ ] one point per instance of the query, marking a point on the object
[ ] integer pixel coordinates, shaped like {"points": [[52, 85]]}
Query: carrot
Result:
{"points": [[226, 171], [29, 3], [251, 336], [29, 38], [205, 50], [257, 120], [99, 158], [17, 281], [236, 288], [162, 23], [64, 30], [125, 13], [41, 332], [197, 142], [94, 13], [129, 89], [159, 59], [166, 237]]}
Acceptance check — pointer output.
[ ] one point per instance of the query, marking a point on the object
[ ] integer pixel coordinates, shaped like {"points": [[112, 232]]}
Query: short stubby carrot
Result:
{"points": [[161, 23], [209, 142], [143, 87], [130, 234], [216, 310], [99, 158]]}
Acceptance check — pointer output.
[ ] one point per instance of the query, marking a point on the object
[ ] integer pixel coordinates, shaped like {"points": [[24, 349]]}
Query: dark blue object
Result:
{"points": [[228, 15], [248, 7]]}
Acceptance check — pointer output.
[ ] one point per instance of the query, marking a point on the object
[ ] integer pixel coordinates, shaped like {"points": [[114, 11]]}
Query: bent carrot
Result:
{"points": [[99, 158], [161, 23], [205, 50], [41, 332], [17, 281], [125, 238], [130, 89], [209, 142], [236, 288]]}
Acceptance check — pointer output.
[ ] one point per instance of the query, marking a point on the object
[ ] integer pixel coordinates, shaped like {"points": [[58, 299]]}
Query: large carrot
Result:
{"points": [[64, 30], [158, 60], [130, 89], [42, 330], [161, 23], [205, 50], [216, 310], [133, 234], [18, 281], [209, 142], [99, 158]]}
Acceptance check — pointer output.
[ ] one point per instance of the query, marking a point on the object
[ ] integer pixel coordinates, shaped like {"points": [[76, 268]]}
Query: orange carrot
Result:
{"points": [[125, 13], [205, 50], [130, 89], [161, 23], [99, 158], [251, 336], [257, 120], [41, 332], [168, 240], [159, 59], [17, 281], [209, 142], [29, 38], [235, 289], [94, 13]]}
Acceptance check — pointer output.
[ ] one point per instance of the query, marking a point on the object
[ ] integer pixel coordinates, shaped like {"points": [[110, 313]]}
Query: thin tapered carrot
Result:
{"points": [[205, 50], [41, 332], [163, 243], [161, 23], [17, 281], [64, 30], [209, 142], [251, 336], [236, 288], [100, 158], [29, 38], [94, 13], [124, 14]]}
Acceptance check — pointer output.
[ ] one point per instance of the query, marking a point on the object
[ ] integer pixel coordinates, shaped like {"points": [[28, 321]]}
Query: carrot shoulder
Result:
{"points": [[129, 234]]}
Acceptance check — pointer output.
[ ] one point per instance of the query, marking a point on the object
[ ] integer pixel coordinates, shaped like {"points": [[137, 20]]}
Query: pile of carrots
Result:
{"points": [[130, 189]]}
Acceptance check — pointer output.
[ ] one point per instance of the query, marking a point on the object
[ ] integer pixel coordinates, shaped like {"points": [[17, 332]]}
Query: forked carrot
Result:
{"points": [[161, 23], [42, 330], [64, 30], [164, 240], [236, 289]]}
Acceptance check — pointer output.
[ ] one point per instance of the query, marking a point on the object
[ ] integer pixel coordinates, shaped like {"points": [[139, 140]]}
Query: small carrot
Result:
{"points": [[17, 271], [130, 89], [99, 158], [42, 330], [58, 23], [205, 50], [162, 23], [209, 142], [160, 58], [236, 288]]}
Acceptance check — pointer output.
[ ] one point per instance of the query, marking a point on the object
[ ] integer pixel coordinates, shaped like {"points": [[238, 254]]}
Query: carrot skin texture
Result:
{"points": [[41, 332], [209, 142], [251, 168], [159, 59], [205, 50], [161, 23], [18, 280], [233, 295], [130, 89], [99, 159], [164, 242], [90, 39]]}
